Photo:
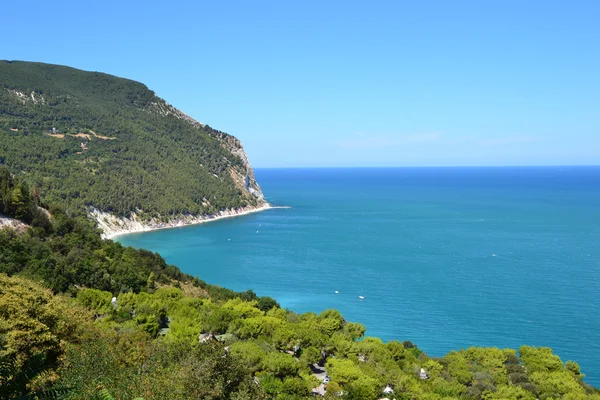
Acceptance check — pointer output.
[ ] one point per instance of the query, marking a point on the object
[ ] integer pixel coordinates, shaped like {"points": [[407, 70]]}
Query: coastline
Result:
{"points": [[113, 226]]}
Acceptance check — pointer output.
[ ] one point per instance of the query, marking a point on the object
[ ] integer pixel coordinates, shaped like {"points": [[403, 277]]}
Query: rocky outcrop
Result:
{"points": [[112, 225], [33, 97], [243, 177], [6, 222], [161, 107]]}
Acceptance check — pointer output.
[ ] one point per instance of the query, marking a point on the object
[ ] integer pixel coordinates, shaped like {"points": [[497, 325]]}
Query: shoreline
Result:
{"points": [[113, 226]]}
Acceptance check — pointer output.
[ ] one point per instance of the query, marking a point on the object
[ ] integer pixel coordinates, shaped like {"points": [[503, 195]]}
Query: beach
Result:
{"points": [[113, 226]]}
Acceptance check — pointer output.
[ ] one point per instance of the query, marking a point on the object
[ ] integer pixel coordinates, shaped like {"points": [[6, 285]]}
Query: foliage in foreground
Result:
{"points": [[147, 346], [78, 344]]}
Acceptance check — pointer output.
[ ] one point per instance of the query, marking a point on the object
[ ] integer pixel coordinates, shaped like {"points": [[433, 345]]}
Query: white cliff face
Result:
{"points": [[6, 222], [112, 225], [32, 97], [243, 176]]}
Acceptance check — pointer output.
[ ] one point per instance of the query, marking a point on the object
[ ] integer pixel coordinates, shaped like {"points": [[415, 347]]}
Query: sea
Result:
{"points": [[447, 258]]}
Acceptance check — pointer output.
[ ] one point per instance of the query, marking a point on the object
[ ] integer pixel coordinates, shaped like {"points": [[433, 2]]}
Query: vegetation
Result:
{"points": [[140, 153], [86, 318], [18, 202], [147, 346], [171, 336], [67, 252]]}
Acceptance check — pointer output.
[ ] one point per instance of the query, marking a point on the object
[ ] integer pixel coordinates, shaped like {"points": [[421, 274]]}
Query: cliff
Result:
{"points": [[6, 222], [97, 143], [112, 225]]}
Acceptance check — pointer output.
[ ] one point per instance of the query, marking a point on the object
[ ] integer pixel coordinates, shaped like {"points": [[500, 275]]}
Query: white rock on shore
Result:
{"points": [[6, 222], [112, 225]]}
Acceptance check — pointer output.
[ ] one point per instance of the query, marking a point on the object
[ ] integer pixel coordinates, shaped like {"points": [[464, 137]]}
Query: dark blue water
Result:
{"points": [[446, 257]]}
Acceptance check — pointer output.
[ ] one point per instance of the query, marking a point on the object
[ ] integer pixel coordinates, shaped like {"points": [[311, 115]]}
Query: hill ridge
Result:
{"points": [[155, 160]]}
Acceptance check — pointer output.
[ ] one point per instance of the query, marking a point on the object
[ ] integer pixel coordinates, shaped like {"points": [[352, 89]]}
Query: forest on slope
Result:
{"points": [[86, 139], [86, 318]]}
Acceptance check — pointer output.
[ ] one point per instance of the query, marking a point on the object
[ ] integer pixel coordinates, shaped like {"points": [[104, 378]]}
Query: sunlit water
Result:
{"points": [[446, 257]]}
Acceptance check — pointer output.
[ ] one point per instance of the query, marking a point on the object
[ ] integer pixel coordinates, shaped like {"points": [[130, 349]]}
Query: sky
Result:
{"points": [[348, 83]]}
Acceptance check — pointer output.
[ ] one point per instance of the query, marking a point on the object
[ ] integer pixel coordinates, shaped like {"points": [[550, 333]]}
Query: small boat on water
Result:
{"points": [[336, 292], [361, 297]]}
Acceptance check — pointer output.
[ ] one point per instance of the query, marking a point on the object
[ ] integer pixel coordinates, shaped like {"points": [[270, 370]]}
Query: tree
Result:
{"points": [[151, 282], [271, 384], [343, 371], [250, 354], [266, 303], [459, 367], [21, 202], [330, 321], [508, 392], [355, 330], [540, 359], [96, 300], [574, 368], [280, 364], [295, 387], [34, 327], [310, 355]]}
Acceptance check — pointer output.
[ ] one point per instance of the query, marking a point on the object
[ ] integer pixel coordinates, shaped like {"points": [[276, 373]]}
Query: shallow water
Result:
{"points": [[445, 257]]}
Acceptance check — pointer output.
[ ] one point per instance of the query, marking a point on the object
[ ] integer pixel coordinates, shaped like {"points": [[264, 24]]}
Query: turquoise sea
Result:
{"points": [[445, 257]]}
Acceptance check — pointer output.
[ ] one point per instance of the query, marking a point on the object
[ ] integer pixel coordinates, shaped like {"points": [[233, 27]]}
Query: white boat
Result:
{"points": [[336, 292], [361, 297]]}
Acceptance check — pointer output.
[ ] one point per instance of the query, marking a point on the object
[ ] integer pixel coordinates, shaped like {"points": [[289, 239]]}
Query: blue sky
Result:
{"points": [[344, 83]]}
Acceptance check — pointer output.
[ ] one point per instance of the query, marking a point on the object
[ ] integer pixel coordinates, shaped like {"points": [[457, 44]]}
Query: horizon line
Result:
{"points": [[437, 166]]}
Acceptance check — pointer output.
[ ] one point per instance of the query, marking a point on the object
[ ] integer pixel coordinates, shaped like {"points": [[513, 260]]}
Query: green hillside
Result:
{"points": [[168, 335], [82, 317], [87, 139], [146, 346]]}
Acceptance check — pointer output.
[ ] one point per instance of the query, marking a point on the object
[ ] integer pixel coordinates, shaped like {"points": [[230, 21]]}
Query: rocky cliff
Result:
{"points": [[92, 141]]}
